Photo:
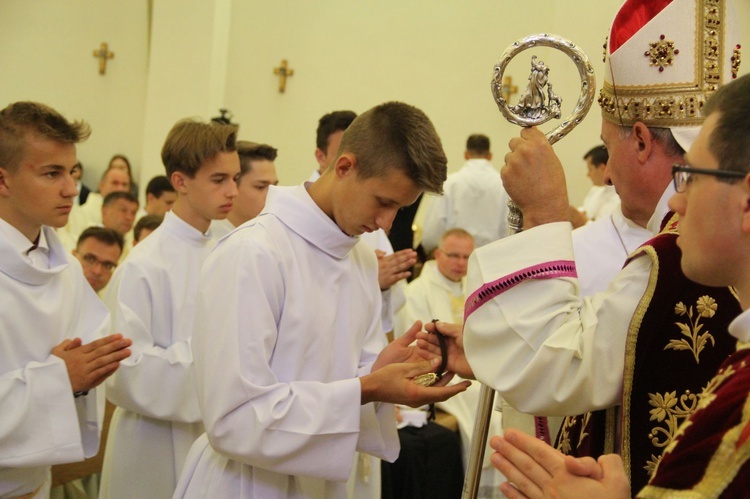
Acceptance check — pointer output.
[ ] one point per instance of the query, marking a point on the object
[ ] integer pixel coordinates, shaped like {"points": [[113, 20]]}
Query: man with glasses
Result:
{"points": [[98, 250], [682, 175], [440, 290], [644, 348]]}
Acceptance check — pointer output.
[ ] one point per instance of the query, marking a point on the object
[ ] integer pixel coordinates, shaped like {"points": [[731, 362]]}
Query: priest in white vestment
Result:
{"points": [[152, 297], [474, 200], [602, 199], [287, 342]]}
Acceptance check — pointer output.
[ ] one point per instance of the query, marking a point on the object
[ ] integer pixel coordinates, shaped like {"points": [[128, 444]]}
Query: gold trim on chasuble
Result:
{"points": [[669, 408], [725, 463]]}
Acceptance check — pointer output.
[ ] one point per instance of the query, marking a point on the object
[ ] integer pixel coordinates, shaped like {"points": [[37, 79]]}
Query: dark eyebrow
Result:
{"points": [[55, 167], [386, 200]]}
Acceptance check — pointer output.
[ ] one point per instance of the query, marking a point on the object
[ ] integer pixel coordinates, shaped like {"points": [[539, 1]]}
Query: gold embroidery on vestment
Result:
{"points": [[669, 411], [696, 342]]}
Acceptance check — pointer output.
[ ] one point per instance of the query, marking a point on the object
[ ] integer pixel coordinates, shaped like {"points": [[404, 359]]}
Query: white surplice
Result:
{"points": [[602, 247], [475, 200], [600, 202], [45, 300], [220, 228], [152, 299], [547, 350], [81, 218], [432, 296], [392, 298], [288, 317]]}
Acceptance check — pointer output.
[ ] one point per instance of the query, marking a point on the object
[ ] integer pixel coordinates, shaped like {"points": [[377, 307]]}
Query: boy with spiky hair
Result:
{"points": [[52, 354], [294, 387]]}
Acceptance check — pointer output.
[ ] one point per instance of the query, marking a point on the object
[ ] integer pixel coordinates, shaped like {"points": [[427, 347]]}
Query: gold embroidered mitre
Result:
{"points": [[664, 58]]}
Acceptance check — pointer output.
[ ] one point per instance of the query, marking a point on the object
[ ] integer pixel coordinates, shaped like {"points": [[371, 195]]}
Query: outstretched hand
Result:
{"points": [[536, 470], [394, 383], [400, 349], [429, 346], [90, 364]]}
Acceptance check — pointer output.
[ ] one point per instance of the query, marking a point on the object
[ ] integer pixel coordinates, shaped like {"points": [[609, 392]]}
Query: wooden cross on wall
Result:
{"points": [[103, 54], [283, 71], [508, 88]]}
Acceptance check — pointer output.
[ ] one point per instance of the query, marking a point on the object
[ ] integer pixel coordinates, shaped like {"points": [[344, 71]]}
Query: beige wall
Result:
{"points": [[46, 54], [435, 54], [438, 56]]}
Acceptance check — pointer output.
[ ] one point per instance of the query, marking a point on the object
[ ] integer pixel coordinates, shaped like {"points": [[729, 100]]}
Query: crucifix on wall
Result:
{"points": [[103, 54], [282, 72], [508, 88]]}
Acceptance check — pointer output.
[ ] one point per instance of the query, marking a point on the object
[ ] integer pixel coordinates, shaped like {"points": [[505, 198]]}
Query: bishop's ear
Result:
{"points": [[642, 141]]}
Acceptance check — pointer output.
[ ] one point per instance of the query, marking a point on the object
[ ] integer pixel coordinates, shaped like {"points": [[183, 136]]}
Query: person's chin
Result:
{"points": [[59, 221]]}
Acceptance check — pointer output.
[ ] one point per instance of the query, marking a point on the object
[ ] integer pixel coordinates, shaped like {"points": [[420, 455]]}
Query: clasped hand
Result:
{"points": [[394, 267], [90, 364]]}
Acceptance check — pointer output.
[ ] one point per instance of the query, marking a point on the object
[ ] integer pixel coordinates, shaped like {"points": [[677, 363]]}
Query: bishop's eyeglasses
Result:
{"points": [[682, 175]]}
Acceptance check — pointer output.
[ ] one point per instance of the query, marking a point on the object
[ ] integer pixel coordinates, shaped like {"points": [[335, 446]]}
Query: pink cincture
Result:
{"points": [[549, 270]]}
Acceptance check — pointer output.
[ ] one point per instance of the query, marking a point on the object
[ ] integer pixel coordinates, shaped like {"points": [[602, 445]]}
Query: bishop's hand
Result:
{"points": [[534, 179], [429, 346]]}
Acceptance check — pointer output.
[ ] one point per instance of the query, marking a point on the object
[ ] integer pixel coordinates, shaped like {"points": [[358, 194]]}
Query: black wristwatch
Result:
{"points": [[80, 394]]}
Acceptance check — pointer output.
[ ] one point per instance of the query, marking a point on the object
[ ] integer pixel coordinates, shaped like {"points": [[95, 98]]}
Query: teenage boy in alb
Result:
{"points": [[152, 297], [52, 354]]}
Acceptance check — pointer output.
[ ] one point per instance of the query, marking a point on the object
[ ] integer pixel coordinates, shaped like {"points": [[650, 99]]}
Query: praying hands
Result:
{"points": [[91, 363], [394, 267], [537, 470]]}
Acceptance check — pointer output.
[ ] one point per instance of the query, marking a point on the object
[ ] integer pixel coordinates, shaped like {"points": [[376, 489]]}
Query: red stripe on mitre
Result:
{"points": [[632, 16]]}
